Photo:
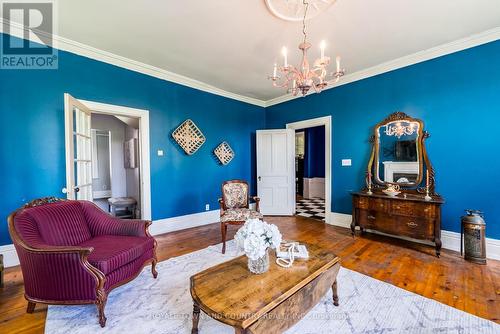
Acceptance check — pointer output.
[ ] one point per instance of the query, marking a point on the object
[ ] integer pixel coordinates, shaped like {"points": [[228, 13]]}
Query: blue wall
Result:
{"points": [[458, 98], [314, 151], [32, 134]]}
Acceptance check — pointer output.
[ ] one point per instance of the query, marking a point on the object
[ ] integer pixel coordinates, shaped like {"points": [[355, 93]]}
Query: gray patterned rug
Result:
{"points": [[164, 305]]}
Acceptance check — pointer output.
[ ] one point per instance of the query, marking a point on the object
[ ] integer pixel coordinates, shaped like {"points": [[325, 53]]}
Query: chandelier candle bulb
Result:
{"points": [[275, 70], [322, 47], [285, 55], [338, 64]]}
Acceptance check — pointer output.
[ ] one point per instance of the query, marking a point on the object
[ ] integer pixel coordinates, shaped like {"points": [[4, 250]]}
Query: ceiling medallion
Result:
{"points": [[303, 78], [293, 10]]}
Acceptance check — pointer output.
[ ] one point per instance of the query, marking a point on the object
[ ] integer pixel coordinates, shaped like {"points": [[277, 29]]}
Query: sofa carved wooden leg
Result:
{"points": [[31, 307], [153, 268], [223, 229], [101, 303]]}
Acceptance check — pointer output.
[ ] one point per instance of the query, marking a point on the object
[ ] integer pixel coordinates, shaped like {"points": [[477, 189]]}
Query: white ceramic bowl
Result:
{"points": [[391, 193]]}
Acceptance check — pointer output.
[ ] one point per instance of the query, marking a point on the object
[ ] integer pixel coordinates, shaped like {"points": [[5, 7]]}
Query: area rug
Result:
{"points": [[164, 305]]}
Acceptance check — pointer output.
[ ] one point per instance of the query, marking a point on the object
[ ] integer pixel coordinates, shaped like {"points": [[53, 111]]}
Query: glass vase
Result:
{"points": [[259, 266]]}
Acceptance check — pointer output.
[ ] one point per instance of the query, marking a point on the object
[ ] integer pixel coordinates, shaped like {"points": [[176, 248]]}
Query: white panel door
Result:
{"points": [[276, 171], [78, 149]]}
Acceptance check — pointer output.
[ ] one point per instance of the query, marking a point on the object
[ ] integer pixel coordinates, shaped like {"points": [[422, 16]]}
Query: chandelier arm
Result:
{"points": [[289, 74]]}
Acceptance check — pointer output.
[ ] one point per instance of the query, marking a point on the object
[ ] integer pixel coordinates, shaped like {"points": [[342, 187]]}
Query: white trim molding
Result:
{"points": [[450, 240], [66, 44], [183, 222], [10, 258], [84, 50], [327, 122], [158, 227], [415, 58]]}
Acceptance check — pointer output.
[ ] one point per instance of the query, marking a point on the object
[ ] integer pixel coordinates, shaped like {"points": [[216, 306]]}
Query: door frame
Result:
{"points": [[144, 148], [327, 122]]}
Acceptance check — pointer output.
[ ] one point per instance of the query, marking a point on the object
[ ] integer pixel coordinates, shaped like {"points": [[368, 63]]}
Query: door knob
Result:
{"points": [[259, 178], [77, 189], [64, 190]]}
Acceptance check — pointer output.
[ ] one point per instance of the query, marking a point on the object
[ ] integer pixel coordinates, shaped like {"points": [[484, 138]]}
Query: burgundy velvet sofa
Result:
{"points": [[72, 252]]}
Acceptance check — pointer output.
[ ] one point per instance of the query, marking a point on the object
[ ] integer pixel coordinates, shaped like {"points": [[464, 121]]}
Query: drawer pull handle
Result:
{"points": [[371, 217], [426, 209], [412, 224], [398, 207]]}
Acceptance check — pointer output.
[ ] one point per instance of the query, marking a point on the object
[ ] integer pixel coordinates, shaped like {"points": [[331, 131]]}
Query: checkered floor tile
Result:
{"points": [[311, 208]]}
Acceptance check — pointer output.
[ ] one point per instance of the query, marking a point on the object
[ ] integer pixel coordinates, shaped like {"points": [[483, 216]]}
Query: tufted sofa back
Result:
{"points": [[56, 224]]}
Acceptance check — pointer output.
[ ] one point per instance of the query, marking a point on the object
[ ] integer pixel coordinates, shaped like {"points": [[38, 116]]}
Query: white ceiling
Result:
{"points": [[232, 44]]}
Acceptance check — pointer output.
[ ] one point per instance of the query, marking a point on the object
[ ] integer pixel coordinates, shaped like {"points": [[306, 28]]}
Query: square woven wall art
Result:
{"points": [[224, 153], [189, 137]]}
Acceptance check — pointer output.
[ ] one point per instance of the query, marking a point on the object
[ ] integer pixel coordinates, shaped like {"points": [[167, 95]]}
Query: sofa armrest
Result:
{"points": [[101, 223], [59, 273]]}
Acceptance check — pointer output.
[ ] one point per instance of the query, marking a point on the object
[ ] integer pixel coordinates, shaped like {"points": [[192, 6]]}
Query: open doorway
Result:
{"points": [[115, 164], [313, 167], [310, 172], [107, 157]]}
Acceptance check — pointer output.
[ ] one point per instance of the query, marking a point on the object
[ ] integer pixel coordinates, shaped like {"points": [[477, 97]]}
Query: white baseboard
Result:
{"points": [[161, 226], [10, 258], [450, 240], [183, 222]]}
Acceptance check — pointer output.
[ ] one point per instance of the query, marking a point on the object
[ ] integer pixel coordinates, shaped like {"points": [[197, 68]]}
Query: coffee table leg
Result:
{"points": [[196, 318], [335, 294]]}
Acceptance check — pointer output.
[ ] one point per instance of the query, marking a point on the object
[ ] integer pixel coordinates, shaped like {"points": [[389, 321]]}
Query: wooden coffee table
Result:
{"points": [[268, 303]]}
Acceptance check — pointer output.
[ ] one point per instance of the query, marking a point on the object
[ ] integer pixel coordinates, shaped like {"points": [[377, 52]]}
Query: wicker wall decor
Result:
{"points": [[189, 137], [224, 153]]}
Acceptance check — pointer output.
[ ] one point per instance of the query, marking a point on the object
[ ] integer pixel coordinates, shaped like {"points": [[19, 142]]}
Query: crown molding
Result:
{"points": [[65, 44], [84, 50], [418, 57]]}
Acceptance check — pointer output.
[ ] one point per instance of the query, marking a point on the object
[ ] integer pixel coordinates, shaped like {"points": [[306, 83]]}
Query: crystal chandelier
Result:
{"points": [[304, 78], [398, 130]]}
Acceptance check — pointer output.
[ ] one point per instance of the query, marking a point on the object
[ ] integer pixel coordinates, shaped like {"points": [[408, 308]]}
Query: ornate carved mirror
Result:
{"points": [[398, 154]]}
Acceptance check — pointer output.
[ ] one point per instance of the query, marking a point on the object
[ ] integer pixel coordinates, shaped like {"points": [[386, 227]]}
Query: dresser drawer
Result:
{"points": [[377, 220], [379, 204], [361, 202], [418, 228], [413, 209]]}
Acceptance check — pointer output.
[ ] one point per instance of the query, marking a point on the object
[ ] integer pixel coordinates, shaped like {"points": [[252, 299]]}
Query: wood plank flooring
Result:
{"points": [[450, 280]]}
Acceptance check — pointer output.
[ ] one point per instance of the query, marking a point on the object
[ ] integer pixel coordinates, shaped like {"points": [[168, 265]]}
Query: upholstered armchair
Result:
{"points": [[235, 206], [72, 252]]}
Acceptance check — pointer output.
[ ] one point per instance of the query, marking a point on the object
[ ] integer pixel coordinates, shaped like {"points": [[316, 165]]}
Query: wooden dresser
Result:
{"points": [[411, 217]]}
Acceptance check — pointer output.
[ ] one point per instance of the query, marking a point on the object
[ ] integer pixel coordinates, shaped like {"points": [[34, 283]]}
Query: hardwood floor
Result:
{"points": [[450, 280]]}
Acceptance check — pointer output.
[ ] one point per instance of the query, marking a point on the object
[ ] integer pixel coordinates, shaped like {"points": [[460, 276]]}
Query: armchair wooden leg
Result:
{"points": [[31, 307], [101, 303], [153, 268], [223, 229]]}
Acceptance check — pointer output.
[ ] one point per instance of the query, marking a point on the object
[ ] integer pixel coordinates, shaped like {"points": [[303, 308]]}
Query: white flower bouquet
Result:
{"points": [[256, 236]]}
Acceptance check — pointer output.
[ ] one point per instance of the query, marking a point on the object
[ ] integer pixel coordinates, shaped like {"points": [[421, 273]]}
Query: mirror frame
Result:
{"points": [[423, 158]]}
